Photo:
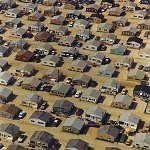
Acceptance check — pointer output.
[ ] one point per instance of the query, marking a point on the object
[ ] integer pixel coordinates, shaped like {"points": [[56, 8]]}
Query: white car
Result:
{"points": [[21, 138], [78, 94], [7, 43], [21, 114], [71, 24]]}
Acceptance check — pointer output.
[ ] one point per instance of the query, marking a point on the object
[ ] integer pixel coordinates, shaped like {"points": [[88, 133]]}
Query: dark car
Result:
{"points": [[140, 67], [93, 124], [79, 44], [79, 112], [56, 122], [44, 105]]}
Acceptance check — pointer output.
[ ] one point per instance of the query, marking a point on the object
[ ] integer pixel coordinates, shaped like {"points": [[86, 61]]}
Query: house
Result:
{"points": [[51, 11], [107, 71], [42, 139], [36, 16], [144, 53], [29, 8], [32, 100], [74, 14], [3, 64], [105, 27], [81, 23], [13, 22], [111, 86], [3, 51], [82, 80], [78, 66], [139, 14], [93, 45], [16, 147], [130, 6], [72, 5], [96, 58], [120, 21], [108, 38], [93, 8], [5, 95], [144, 2], [77, 144], [67, 41], [69, 52], [31, 83], [129, 31], [42, 36], [7, 4], [9, 111], [122, 101], [36, 26], [83, 34], [118, 49], [142, 91], [41, 118], [18, 33], [60, 89], [134, 42], [95, 114], [108, 133], [96, 18], [136, 75], [51, 61], [50, 2], [147, 109], [58, 20], [124, 62], [6, 131], [52, 75], [63, 107], [143, 24], [141, 141], [91, 95], [25, 56], [115, 11], [13, 13], [73, 125], [147, 67], [6, 78], [107, 3], [130, 120]]}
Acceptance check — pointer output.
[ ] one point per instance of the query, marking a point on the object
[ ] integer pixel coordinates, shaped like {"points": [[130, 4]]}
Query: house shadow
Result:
{"points": [[123, 14], [62, 78], [13, 97], [141, 125], [133, 106], [112, 30], [68, 33], [85, 129], [143, 45], [107, 118], [116, 74], [3, 31], [7, 67], [29, 35], [117, 41], [13, 82], [138, 33], [101, 99], [60, 64], [90, 148], [88, 69], [134, 65], [128, 23], [127, 52], [35, 72], [104, 20]]}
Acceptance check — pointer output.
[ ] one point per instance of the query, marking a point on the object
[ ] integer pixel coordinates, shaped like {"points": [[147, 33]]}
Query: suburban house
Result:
{"points": [[6, 78], [96, 58], [93, 8], [77, 144], [18, 33], [73, 14], [136, 75], [15, 147], [60, 89], [41, 118], [129, 31], [36, 26], [95, 114], [144, 53], [107, 3], [32, 100], [52, 75], [147, 109], [130, 6], [124, 62], [120, 21], [141, 141], [63, 107], [13, 22], [72, 5], [81, 23], [91, 95], [96, 18], [42, 139], [82, 80], [122, 101], [13, 13], [36, 16], [78, 66], [25, 70], [50, 2], [25, 56], [108, 133], [118, 49], [83, 35], [134, 42], [51, 61], [73, 125], [3, 64], [115, 11], [4, 51], [9, 111], [5, 95], [128, 119], [105, 27], [42, 36], [67, 41], [139, 14], [58, 20], [108, 38], [6, 131], [143, 24], [31, 83], [51, 11], [29, 8], [111, 86], [107, 71], [7, 4]]}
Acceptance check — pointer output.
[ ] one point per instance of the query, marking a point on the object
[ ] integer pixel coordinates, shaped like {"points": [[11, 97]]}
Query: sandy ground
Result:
{"points": [[57, 132]]}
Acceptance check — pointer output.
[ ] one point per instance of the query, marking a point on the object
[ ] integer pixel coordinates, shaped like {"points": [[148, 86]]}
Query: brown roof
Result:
{"points": [[43, 34], [27, 54]]}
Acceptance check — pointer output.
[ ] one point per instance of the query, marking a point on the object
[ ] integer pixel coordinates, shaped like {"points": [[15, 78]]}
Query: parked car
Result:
{"points": [[78, 94], [140, 66], [96, 38], [128, 142], [7, 43], [56, 122], [22, 114], [44, 105], [93, 124], [21, 138], [124, 91], [79, 112], [79, 44], [69, 80], [71, 24], [1, 145]]}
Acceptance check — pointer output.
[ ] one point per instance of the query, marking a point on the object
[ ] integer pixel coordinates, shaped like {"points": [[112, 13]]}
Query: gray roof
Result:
{"points": [[16, 147], [52, 8], [124, 60], [130, 4], [70, 50], [129, 117], [30, 5], [83, 77], [13, 10], [44, 46], [143, 13], [3, 62], [107, 68], [97, 55], [147, 22], [120, 19], [110, 36], [93, 43], [145, 51], [119, 46], [105, 25], [19, 30], [25, 67], [53, 72], [14, 20], [37, 14], [5, 92], [80, 63], [125, 99], [61, 18], [138, 73], [84, 32], [117, 9], [18, 42], [3, 49], [74, 122], [6, 76], [76, 12], [67, 39], [81, 21], [36, 24], [41, 115], [130, 29], [97, 7]]}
